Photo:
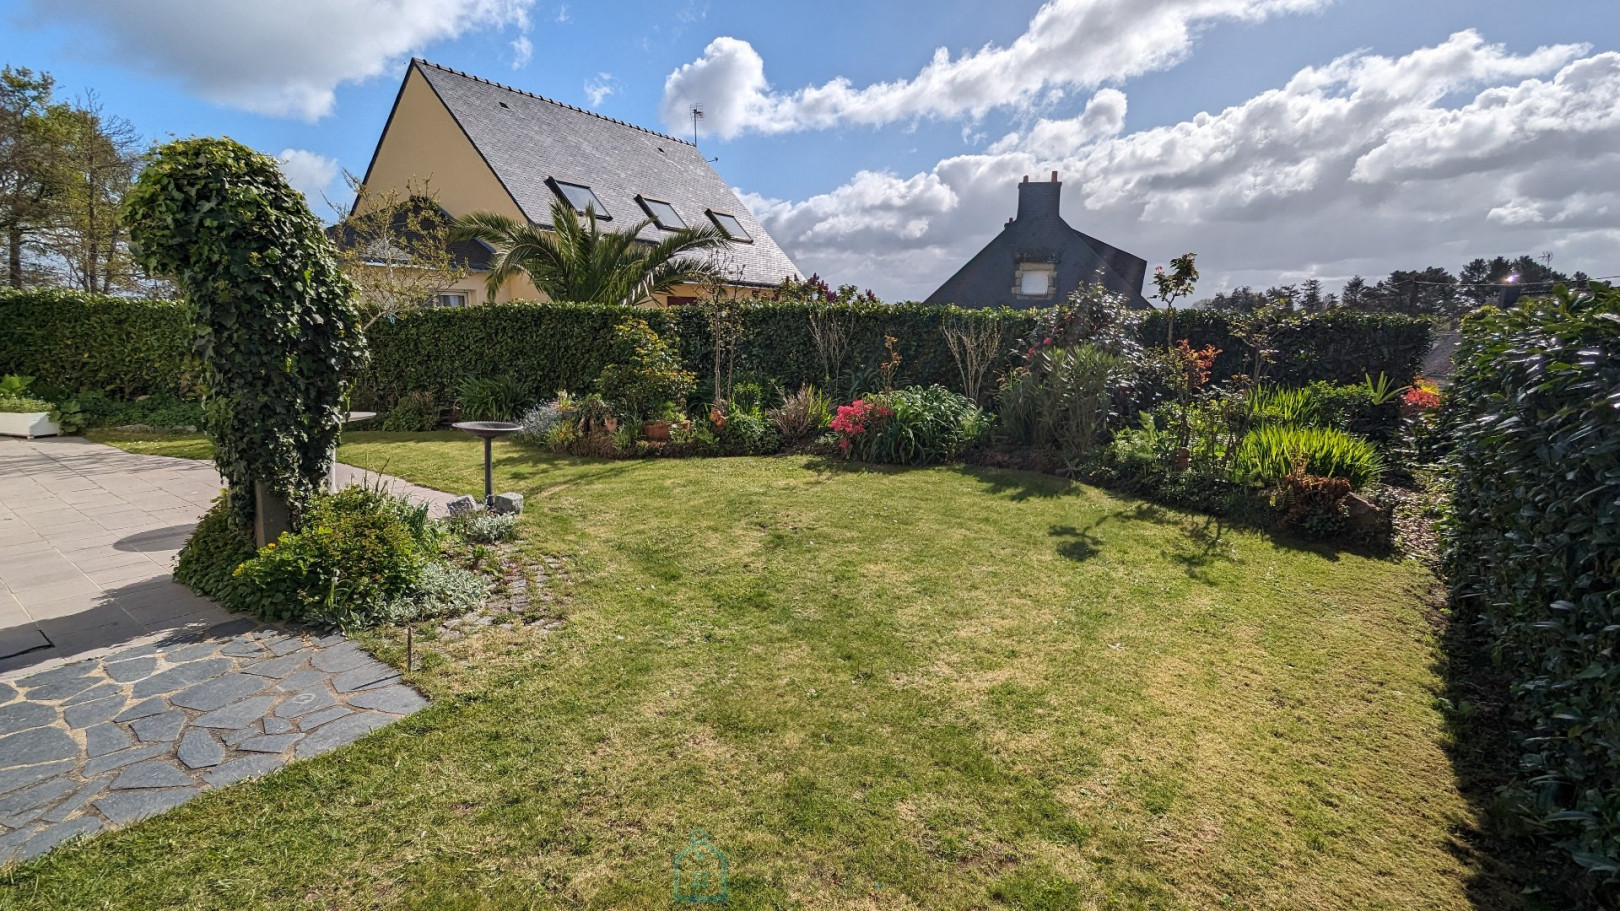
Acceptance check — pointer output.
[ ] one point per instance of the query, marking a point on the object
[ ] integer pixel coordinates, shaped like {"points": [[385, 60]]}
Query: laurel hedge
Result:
{"points": [[1533, 546], [124, 347], [1338, 346], [136, 347]]}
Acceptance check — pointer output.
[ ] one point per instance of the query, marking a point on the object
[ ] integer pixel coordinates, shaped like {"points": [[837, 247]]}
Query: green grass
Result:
{"points": [[942, 688], [176, 445]]}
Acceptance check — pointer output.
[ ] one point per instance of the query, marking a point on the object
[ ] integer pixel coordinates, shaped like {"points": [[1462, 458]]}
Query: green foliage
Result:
{"points": [[13, 386], [278, 332], [416, 412], [1350, 408], [1270, 453], [646, 373], [1338, 346], [216, 548], [125, 347], [22, 404], [162, 411], [1063, 400], [358, 551], [746, 431], [480, 527], [1533, 546], [918, 425], [494, 398]]}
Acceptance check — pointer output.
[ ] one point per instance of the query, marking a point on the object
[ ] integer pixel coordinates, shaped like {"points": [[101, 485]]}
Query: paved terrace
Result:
{"points": [[123, 694]]}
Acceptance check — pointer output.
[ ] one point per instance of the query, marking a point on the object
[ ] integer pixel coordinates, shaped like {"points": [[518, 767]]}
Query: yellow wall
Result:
{"points": [[424, 145]]}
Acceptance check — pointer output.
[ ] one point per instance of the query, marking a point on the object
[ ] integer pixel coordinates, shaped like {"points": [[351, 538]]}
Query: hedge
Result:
{"points": [[1533, 546], [130, 347], [125, 347], [1338, 346]]}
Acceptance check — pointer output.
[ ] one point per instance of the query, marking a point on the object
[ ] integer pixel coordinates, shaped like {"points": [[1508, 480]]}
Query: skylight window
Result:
{"points": [[581, 198], [730, 226], [663, 214]]}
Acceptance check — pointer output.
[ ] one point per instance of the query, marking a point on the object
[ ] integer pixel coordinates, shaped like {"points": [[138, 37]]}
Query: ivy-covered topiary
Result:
{"points": [[277, 330]]}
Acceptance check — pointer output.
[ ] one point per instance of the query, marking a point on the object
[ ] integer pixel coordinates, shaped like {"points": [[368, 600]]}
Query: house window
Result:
{"points": [[450, 299], [663, 214], [1035, 280], [730, 227], [580, 197]]}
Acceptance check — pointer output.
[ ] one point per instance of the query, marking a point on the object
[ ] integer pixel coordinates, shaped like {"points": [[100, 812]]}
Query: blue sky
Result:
{"points": [[1402, 156]]}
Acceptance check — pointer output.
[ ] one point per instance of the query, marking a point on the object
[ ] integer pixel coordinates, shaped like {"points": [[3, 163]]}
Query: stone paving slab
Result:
{"points": [[160, 722]]}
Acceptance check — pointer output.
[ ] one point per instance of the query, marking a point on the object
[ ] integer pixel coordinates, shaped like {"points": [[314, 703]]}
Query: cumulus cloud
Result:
{"points": [[1069, 44], [1363, 165], [308, 172], [522, 52], [283, 58]]}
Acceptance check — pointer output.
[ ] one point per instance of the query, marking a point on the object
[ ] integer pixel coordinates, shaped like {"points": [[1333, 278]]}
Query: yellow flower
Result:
{"points": [[238, 570], [270, 546]]}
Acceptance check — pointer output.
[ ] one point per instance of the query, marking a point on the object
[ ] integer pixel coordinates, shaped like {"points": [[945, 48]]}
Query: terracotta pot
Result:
{"points": [[656, 431], [1181, 459]]}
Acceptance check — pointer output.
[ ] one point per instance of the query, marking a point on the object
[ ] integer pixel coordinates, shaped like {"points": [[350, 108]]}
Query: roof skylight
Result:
{"points": [[663, 214], [730, 226], [580, 197]]}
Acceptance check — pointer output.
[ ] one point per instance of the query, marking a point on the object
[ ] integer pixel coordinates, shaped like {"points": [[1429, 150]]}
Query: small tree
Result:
{"points": [[277, 329], [396, 247], [1172, 286]]}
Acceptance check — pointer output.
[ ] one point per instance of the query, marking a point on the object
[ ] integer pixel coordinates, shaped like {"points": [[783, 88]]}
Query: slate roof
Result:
{"points": [[526, 139], [1039, 234]]}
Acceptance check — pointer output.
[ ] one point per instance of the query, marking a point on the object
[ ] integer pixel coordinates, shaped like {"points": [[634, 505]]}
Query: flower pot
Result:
{"points": [[28, 424], [1181, 459], [656, 431]]}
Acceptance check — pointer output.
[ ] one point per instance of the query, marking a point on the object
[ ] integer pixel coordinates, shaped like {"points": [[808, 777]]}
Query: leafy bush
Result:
{"points": [[442, 590], [124, 347], [162, 411], [358, 551], [1338, 346], [920, 425], [1063, 400], [802, 415], [495, 398], [647, 373], [540, 423], [746, 431], [480, 527], [216, 548], [416, 412], [1270, 453], [1313, 506], [1533, 547]]}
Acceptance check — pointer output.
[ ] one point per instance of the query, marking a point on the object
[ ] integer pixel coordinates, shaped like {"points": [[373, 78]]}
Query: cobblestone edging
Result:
{"points": [[102, 743]]}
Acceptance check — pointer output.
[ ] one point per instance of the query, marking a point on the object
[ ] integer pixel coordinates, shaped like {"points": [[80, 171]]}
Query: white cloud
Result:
{"points": [[599, 89], [522, 52], [309, 174], [1068, 44], [1365, 164], [283, 58], [563, 16]]}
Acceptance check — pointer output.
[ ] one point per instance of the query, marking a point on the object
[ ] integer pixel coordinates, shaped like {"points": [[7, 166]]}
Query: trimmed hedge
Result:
{"points": [[1533, 546], [129, 347], [1338, 346], [125, 347]]}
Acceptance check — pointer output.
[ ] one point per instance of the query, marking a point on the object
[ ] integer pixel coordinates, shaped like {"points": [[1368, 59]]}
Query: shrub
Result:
{"points": [[358, 551], [124, 347], [1338, 346], [442, 590], [480, 527], [1063, 400], [162, 411], [647, 373], [1270, 453], [540, 423], [495, 398], [746, 432], [920, 425], [22, 404], [213, 552], [1533, 547], [415, 413], [802, 415], [1313, 506]]}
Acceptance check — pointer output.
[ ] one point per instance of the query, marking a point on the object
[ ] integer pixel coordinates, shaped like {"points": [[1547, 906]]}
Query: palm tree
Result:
{"points": [[575, 260]]}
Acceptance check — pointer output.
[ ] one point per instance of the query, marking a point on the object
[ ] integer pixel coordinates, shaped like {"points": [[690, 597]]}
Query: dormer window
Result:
{"points": [[662, 213], [580, 197], [730, 227]]}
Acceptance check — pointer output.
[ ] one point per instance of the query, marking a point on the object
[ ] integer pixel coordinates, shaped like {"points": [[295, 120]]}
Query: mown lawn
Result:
{"points": [[944, 688]]}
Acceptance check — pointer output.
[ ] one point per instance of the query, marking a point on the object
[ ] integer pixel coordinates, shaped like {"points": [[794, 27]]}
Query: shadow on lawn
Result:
{"points": [[1511, 869]]}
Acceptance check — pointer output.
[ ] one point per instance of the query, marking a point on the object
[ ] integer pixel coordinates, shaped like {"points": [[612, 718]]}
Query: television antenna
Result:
{"points": [[697, 114]]}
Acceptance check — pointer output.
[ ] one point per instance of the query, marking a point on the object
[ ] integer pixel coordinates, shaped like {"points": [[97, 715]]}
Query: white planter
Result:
{"points": [[28, 424]]}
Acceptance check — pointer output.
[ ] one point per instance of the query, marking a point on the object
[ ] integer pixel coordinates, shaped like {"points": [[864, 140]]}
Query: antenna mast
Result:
{"points": [[697, 114]]}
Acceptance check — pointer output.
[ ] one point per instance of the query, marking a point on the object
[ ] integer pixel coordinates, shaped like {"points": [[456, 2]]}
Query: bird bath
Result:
{"points": [[488, 431]]}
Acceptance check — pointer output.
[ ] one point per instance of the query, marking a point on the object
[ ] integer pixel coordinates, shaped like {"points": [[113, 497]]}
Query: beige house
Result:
{"points": [[484, 146]]}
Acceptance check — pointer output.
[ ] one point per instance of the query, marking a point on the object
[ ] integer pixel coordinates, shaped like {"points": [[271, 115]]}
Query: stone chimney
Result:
{"points": [[1038, 201]]}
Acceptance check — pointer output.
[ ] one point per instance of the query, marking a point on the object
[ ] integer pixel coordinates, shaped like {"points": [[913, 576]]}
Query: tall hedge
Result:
{"points": [[1339, 346], [125, 347], [1533, 546], [134, 347]]}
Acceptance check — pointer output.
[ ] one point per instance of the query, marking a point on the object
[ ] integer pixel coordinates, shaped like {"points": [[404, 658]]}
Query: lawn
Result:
{"points": [[942, 688]]}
